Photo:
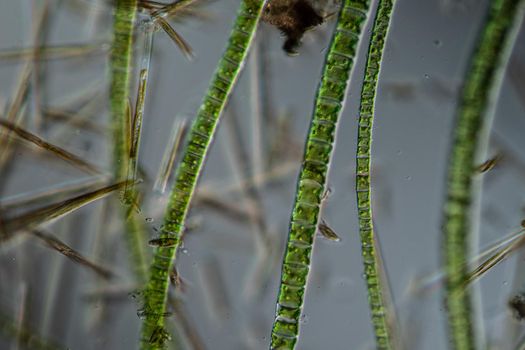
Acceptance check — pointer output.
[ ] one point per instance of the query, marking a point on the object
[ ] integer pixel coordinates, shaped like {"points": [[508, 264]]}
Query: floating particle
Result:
{"points": [[176, 280], [326, 193], [517, 306], [159, 336], [136, 294], [174, 276], [147, 312]]}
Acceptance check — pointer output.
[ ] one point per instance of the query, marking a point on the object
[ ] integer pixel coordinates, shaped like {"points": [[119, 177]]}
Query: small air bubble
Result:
{"points": [[427, 76]]}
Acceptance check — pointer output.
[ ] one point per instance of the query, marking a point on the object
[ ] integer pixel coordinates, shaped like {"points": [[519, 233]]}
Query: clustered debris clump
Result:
{"points": [[293, 18]]}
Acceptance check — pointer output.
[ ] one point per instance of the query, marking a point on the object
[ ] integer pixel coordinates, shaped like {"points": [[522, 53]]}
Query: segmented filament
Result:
{"points": [[188, 172], [363, 190], [483, 79], [312, 178]]}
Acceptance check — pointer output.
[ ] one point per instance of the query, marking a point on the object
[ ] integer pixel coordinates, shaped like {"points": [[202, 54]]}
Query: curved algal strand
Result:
{"points": [[188, 172], [120, 66], [483, 78], [312, 178], [363, 190]]}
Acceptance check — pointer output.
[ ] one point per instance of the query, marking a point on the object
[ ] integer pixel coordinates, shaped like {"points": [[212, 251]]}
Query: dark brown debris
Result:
{"points": [[293, 18], [517, 306]]}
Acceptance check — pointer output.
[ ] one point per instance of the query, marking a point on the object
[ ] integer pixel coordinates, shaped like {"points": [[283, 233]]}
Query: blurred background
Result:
{"points": [[226, 290]]}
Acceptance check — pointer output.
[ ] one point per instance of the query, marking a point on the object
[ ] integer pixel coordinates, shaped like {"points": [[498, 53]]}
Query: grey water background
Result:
{"points": [[425, 58]]}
